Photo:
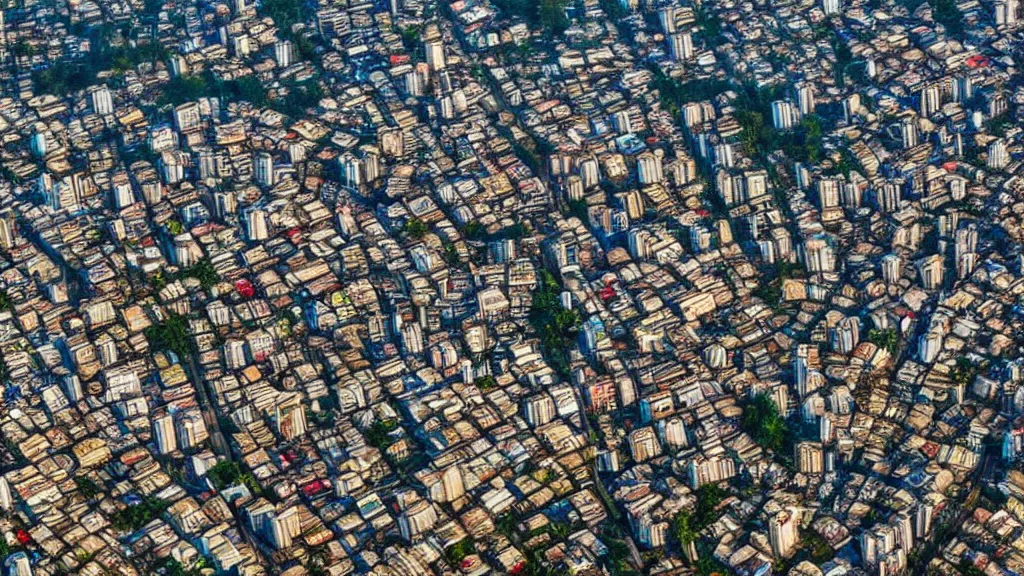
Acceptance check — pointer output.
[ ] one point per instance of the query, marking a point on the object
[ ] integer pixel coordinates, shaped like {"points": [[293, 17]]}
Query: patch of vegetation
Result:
{"points": [[964, 371], [709, 24], [548, 14], [379, 434], [687, 524], [22, 48], [450, 254], [299, 99], [556, 325], [947, 13], [63, 78], [172, 335], [474, 231], [224, 473], [614, 9], [844, 57], [485, 382], [183, 89], [675, 94], [618, 557], [998, 125], [844, 165], [203, 271], [762, 420], [171, 567], [286, 13], [132, 517], [87, 487], [411, 38], [456, 552], [817, 547], [888, 339], [770, 290], [416, 229], [803, 143], [967, 568]]}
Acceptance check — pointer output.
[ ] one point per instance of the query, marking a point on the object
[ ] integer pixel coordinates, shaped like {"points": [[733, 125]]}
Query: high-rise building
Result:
{"points": [[930, 100], [539, 409], [831, 7], [998, 156], [784, 533], [164, 435], [643, 444], [434, 50], [846, 335], [1007, 13], [190, 429], [805, 362], [72, 388], [39, 144], [680, 46], [187, 117], [810, 458], [667, 18], [256, 224], [673, 432], [805, 97], [819, 256], [929, 345], [888, 196], [892, 268], [18, 564], [707, 470], [930, 270], [283, 53], [784, 115], [225, 203], [8, 231], [649, 170], [908, 132], [351, 170], [6, 497], [101, 101], [263, 169], [284, 527], [416, 519], [290, 418]]}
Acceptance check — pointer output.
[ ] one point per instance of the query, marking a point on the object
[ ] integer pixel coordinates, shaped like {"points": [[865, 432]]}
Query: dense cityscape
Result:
{"points": [[527, 287]]}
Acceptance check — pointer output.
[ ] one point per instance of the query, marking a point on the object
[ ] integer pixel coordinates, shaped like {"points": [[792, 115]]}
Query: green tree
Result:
{"points": [[888, 339], [551, 14], [416, 228], [761, 419], [87, 487], [286, 13], [223, 474], [175, 227], [964, 370], [485, 382], [456, 552], [204, 271], [948, 14], [135, 516], [379, 434], [172, 334]]}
